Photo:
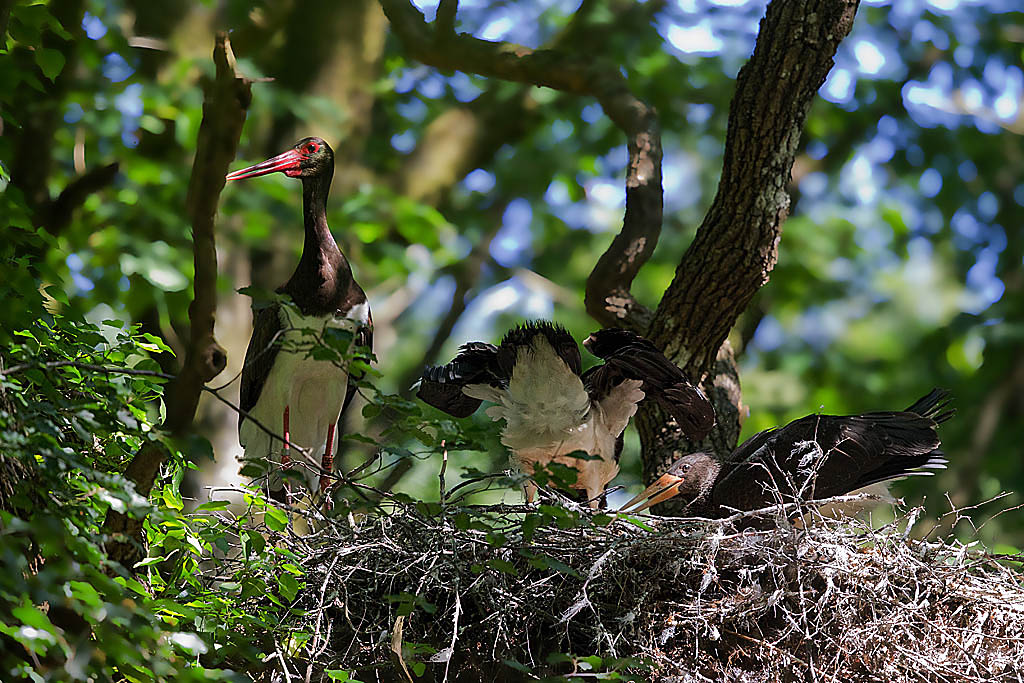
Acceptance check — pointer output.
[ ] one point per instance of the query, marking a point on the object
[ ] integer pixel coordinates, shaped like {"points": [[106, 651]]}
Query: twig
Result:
{"points": [[444, 466]]}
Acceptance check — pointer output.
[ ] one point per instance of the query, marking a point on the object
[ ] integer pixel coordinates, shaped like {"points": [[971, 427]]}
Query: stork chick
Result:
{"points": [[552, 409]]}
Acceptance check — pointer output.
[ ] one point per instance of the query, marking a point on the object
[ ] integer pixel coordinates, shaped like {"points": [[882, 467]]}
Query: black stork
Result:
{"points": [[814, 457], [283, 386], [552, 409]]}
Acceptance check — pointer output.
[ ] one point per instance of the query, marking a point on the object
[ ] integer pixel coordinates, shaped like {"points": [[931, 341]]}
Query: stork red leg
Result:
{"points": [[327, 463], [286, 458]]}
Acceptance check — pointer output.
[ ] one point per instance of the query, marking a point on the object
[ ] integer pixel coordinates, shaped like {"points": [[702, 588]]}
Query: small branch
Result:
{"points": [[61, 209], [608, 297], [440, 475]]}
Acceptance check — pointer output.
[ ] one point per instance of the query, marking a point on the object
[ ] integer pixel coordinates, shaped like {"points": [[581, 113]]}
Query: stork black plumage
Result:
{"points": [[283, 385], [815, 457], [551, 408]]}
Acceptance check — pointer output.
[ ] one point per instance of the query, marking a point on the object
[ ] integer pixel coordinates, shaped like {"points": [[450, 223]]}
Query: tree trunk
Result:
{"points": [[736, 246]]}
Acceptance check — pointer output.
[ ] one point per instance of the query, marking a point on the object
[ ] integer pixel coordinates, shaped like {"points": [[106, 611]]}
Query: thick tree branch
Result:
{"points": [[224, 107], [736, 246], [74, 194], [608, 297], [464, 138], [446, 11]]}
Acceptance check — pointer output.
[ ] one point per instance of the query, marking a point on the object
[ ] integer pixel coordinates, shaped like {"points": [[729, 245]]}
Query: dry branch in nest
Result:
{"points": [[486, 593]]}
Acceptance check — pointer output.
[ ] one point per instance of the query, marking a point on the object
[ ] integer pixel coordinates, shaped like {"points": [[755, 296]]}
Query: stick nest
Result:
{"points": [[488, 593]]}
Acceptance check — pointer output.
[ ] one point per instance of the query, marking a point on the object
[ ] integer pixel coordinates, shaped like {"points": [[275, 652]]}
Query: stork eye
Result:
{"points": [[311, 148]]}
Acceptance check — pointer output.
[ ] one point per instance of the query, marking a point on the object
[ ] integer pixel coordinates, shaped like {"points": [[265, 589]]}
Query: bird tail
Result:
{"points": [[897, 467], [914, 443]]}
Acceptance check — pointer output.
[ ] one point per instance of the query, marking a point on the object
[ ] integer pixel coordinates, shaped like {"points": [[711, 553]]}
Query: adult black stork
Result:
{"points": [[552, 409], [283, 384], [815, 457]]}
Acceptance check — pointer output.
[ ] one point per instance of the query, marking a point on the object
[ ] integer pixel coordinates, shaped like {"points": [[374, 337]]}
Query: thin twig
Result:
{"points": [[440, 475]]}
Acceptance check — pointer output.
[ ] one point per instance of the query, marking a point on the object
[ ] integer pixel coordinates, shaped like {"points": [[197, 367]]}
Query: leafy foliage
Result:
{"points": [[66, 431], [465, 204]]}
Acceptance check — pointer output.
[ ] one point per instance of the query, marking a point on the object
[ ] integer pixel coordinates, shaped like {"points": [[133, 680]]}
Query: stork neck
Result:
{"points": [[705, 472], [319, 241], [322, 283]]}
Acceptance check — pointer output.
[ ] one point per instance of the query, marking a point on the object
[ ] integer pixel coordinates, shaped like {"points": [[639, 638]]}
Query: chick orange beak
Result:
{"points": [[666, 487]]}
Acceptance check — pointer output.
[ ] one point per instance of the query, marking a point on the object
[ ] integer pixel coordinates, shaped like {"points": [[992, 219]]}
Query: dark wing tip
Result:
{"points": [[610, 340], [447, 398], [691, 409], [441, 385], [934, 406]]}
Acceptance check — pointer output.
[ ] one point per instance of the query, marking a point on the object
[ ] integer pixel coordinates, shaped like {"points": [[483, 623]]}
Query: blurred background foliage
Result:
{"points": [[468, 204]]}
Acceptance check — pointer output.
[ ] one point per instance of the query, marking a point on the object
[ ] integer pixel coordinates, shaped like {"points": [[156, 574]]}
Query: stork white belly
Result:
{"points": [[591, 437], [313, 390], [595, 435]]}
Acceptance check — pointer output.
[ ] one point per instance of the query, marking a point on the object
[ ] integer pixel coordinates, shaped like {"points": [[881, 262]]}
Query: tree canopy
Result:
{"points": [[495, 161]]}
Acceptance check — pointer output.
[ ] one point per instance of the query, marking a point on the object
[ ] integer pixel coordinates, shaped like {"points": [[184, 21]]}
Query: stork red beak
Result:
{"points": [[288, 163], [666, 487]]}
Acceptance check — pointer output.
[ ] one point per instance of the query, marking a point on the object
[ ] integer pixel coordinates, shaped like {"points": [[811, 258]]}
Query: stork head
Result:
{"points": [[309, 157], [691, 476]]}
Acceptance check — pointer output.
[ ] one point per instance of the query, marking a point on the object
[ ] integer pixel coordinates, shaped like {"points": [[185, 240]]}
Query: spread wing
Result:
{"points": [[638, 359], [264, 345], [441, 386]]}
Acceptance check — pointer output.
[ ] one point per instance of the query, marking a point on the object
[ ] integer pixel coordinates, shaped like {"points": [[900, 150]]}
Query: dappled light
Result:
{"points": [[802, 207]]}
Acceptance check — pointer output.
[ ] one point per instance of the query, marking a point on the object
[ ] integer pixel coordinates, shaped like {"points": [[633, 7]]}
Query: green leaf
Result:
{"points": [[518, 666], [503, 566], [277, 519], [428, 508], [288, 586], [31, 616], [157, 342], [150, 561], [172, 498], [50, 61], [530, 525], [636, 522], [86, 593], [213, 505], [548, 562]]}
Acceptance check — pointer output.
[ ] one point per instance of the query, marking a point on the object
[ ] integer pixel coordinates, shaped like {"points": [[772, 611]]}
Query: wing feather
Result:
{"points": [[264, 345], [835, 454], [442, 386], [629, 356]]}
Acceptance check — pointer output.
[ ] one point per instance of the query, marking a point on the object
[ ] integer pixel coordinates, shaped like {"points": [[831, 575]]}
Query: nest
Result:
{"points": [[488, 593]]}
